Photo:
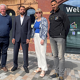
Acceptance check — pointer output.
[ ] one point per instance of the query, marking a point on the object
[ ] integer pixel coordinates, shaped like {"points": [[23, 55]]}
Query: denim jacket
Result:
{"points": [[43, 28]]}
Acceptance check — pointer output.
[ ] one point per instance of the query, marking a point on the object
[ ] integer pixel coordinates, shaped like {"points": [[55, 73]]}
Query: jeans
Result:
{"points": [[58, 50]]}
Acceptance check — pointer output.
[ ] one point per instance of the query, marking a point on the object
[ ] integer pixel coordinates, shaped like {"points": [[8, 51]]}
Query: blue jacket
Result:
{"points": [[43, 28], [5, 25]]}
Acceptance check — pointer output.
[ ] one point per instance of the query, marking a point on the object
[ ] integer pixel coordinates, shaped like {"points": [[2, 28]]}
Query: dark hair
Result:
{"points": [[53, 1], [20, 7]]}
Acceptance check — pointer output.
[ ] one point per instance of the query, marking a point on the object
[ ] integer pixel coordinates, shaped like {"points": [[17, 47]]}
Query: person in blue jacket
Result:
{"points": [[5, 27]]}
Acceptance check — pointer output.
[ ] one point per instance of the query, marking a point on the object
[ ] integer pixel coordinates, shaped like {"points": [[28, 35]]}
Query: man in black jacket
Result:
{"points": [[59, 28]]}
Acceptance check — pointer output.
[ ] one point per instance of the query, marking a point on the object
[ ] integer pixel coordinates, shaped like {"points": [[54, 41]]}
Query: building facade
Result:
{"points": [[14, 4], [45, 5]]}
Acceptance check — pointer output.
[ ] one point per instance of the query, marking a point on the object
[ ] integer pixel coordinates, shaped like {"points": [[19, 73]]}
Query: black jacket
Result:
{"points": [[23, 31], [59, 24]]}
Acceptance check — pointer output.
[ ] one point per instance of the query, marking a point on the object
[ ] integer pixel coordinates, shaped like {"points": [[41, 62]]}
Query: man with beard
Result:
{"points": [[59, 28], [21, 34]]}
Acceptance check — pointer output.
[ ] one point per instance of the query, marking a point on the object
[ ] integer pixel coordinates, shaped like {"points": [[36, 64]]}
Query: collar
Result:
{"points": [[2, 15], [56, 11], [23, 15]]}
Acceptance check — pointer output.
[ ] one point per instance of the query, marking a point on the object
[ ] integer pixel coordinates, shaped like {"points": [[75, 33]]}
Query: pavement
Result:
{"points": [[72, 70]]}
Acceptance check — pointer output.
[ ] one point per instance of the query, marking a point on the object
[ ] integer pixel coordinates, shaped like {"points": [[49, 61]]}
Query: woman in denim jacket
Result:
{"points": [[39, 34]]}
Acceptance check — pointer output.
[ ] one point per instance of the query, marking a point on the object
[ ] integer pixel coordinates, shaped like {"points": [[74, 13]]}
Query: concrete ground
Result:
{"points": [[72, 70]]}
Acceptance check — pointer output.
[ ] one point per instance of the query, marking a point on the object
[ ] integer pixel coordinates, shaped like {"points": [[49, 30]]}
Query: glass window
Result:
{"points": [[73, 38]]}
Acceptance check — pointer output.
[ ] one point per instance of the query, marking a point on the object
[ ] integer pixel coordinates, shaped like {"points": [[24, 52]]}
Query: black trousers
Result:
{"points": [[4, 43], [25, 53]]}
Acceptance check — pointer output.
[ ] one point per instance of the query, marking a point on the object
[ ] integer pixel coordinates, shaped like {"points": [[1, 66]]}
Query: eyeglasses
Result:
{"points": [[38, 12]]}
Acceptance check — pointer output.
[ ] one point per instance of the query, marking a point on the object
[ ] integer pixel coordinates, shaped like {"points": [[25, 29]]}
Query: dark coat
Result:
{"points": [[23, 31]]}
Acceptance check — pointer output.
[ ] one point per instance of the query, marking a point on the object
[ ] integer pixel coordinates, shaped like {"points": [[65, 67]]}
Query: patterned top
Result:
{"points": [[43, 28]]}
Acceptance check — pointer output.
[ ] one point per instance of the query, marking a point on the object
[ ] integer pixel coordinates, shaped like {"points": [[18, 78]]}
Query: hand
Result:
{"points": [[13, 41], [33, 39], [27, 41], [42, 42]]}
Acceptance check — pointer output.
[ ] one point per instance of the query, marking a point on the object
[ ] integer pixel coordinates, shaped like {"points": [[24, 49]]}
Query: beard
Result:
{"points": [[22, 13]]}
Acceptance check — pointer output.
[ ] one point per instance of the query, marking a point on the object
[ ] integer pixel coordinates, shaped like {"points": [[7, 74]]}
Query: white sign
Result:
{"points": [[78, 32], [72, 9]]}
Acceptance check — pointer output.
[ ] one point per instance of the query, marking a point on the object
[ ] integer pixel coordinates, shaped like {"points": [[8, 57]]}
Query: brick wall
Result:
{"points": [[45, 6]]}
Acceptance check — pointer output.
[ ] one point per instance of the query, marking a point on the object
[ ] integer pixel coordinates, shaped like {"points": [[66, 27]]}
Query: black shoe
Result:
{"points": [[26, 69], [54, 75], [61, 78], [14, 68], [0, 66]]}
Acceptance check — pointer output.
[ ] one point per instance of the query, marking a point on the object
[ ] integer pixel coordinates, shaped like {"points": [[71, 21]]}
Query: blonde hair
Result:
{"points": [[38, 10]]}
